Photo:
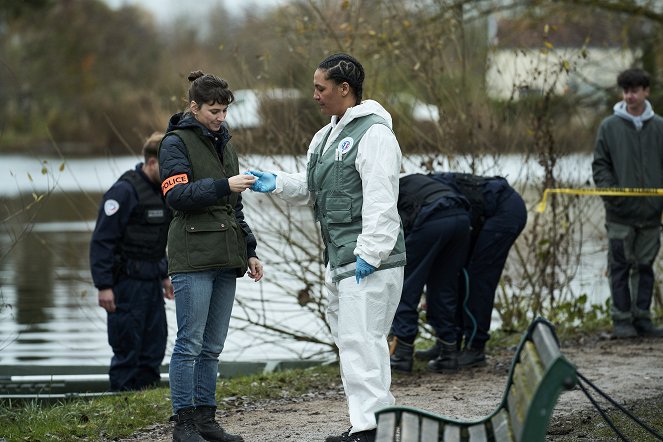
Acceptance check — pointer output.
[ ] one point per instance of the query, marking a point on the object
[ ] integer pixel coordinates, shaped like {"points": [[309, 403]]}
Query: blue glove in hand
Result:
{"points": [[266, 181], [363, 269]]}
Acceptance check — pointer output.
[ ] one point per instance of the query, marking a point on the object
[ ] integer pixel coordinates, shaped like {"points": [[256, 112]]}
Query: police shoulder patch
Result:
{"points": [[111, 207]]}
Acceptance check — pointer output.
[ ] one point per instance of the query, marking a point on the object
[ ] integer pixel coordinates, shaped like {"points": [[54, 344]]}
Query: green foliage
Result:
{"points": [[577, 311], [95, 78], [12, 9], [81, 72]]}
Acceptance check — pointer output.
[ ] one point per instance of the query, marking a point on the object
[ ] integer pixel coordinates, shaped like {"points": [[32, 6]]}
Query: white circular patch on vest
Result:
{"points": [[345, 145], [111, 207]]}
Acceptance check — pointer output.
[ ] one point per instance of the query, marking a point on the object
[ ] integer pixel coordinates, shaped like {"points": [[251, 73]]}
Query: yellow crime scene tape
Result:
{"points": [[603, 191]]}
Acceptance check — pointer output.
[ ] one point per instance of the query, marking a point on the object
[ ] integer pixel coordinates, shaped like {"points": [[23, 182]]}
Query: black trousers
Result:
{"points": [[436, 248], [484, 268], [137, 332]]}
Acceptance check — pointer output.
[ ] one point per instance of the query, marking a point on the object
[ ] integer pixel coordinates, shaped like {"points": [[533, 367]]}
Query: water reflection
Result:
{"points": [[48, 305], [33, 281], [49, 313], [49, 310]]}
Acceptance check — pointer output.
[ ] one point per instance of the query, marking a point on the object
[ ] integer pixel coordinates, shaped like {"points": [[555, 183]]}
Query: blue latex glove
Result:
{"points": [[363, 269], [266, 181]]}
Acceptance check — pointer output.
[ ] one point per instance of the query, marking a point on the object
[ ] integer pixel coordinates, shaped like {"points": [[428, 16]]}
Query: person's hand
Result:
{"points": [[107, 300], [363, 269], [266, 181], [168, 291], [255, 269], [239, 183]]}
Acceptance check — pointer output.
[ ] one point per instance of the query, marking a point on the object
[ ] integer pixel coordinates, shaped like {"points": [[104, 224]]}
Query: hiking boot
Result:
{"points": [[645, 327], [361, 436], [185, 428], [471, 357], [209, 428], [430, 353], [401, 355], [447, 362], [622, 328]]}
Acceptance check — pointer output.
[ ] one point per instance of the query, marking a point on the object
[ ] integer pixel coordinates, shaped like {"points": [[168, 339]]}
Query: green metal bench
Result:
{"points": [[539, 373]]}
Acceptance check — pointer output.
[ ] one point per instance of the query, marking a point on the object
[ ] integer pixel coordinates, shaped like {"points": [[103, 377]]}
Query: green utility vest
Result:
{"points": [[210, 237], [336, 185]]}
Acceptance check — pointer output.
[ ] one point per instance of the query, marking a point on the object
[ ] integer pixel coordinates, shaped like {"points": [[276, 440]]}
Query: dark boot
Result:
{"points": [[361, 436], [430, 353], [645, 327], [447, 362], [401, 355], [623, 328], [209, 428], [185, 428], [471, 357]]}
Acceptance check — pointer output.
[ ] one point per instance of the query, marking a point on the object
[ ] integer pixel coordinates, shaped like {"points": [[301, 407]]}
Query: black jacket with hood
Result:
{"points": [[200, 194]]}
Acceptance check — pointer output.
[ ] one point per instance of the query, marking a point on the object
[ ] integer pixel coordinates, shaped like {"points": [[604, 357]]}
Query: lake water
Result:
{"points": [[48, 305]]}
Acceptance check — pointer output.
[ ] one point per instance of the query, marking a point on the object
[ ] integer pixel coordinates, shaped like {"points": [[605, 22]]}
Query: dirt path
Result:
{"points": [[624, 369]]}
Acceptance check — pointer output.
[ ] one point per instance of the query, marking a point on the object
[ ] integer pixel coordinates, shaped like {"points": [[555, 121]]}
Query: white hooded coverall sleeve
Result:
{"points": [[293, 187], [378, 162]]}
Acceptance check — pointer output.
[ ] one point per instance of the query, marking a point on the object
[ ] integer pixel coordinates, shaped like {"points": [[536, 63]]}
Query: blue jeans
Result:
{"points": [[203, 304]]}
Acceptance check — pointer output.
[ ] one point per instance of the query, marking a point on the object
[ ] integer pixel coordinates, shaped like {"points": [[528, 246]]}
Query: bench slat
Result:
{"points": [[546, 344], [430, 430], [516, 414], [527, 375], [523, 385], [409, 426], [386, 427], [532, 364], [477, 433], [501, 428], [451, 433]]}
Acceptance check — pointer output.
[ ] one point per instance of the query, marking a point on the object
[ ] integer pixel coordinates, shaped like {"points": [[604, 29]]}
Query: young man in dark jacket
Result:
{"points": [[629, 154]]}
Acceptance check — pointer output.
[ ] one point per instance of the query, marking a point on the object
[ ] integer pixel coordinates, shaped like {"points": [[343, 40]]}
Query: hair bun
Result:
{"points": [[195, 74]]}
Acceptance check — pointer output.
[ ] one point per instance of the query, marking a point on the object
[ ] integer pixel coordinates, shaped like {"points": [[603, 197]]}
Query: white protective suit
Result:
{"points": [[360, 315]]}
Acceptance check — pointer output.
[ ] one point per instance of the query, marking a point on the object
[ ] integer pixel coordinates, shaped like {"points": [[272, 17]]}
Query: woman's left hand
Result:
{"points": [[255, 269], [239, 183]]}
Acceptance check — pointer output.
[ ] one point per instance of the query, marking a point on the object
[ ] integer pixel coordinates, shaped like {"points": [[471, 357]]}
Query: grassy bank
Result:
{"points": [[118, 416], [115, 417]]}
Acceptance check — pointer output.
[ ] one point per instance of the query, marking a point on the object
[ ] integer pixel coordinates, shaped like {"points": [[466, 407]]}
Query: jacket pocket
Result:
{"points": [[338, 210], [212, 243]]}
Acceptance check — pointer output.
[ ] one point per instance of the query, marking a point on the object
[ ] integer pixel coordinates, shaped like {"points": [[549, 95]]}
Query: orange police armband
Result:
{"points": [[173, 181]]}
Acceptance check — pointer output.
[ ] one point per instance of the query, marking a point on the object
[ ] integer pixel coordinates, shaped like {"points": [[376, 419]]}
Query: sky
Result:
{"points": [[165, 10]]}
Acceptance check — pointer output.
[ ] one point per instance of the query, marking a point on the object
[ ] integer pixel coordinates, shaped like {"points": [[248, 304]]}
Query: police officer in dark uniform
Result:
{"points": [[498, 216], [436, 223], [129, 268]]}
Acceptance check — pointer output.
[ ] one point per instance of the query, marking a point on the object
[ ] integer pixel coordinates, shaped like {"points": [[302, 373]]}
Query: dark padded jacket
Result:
{"points": [[627, 158], [121, 225], [417, 190], [200, 194]]}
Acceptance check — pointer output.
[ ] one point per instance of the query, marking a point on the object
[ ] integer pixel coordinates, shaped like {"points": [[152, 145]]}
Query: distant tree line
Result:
{"points": [[80, 77]]}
